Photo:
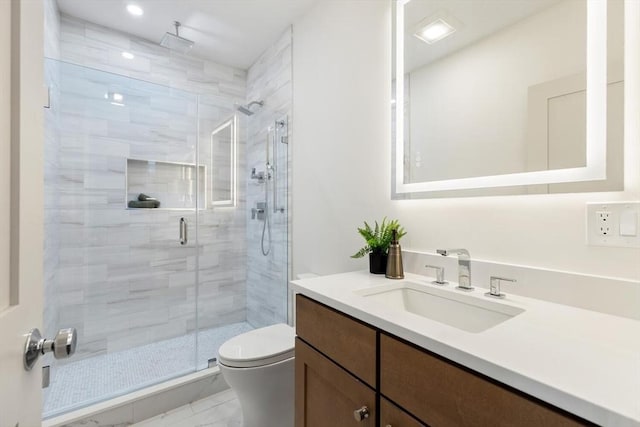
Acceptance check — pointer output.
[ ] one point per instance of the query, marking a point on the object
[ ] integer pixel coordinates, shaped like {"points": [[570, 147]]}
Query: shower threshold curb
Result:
{"points": [[147, 402]]}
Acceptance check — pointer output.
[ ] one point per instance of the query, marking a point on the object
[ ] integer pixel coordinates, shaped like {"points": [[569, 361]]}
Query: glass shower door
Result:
{"points": [[121, 232], [222, 260], [243, 245]]}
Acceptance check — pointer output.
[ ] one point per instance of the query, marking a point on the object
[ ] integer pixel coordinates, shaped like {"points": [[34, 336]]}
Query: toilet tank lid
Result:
{"points": [[259, 347]]}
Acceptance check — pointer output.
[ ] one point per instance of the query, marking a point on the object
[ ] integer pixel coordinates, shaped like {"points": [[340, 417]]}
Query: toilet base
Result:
{"points": [[265, 393]]}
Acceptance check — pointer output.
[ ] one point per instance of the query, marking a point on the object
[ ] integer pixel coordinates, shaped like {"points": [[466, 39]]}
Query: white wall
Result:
{"points": [[341, 165], [340, 148]]}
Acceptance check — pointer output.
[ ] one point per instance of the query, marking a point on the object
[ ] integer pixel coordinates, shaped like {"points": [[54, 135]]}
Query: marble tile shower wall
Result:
{"points": [[95, 46], [222, 269], [269, 79], [51, 29], [122, 278]]}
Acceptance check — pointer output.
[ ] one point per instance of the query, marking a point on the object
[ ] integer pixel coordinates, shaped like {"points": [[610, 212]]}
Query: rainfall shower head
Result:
{"points": [[175, 42], [246, 109]]}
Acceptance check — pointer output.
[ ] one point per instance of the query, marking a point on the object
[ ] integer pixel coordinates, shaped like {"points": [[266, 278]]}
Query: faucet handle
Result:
{"points": [[494, 286], [439, 275], [447, 252]]}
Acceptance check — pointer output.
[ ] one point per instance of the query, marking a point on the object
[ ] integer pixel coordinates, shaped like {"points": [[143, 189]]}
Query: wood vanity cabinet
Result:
{"points": [[346, 341], [335, 368], [441, 393], [343, 364], [393, 416], [327, 395]]}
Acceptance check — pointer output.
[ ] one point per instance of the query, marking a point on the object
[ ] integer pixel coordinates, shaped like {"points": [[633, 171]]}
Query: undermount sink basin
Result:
{"points": [[452, 308]]}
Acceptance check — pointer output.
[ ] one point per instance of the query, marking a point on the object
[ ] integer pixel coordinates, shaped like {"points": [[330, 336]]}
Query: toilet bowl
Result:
{"points": [[259, 366]]}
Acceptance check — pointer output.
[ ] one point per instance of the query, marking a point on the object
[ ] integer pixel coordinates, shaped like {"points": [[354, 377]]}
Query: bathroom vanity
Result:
{"points": [[366, 355]]}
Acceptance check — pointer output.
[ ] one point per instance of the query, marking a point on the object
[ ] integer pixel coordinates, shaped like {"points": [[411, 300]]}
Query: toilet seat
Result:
{"points": [[259, 347]]}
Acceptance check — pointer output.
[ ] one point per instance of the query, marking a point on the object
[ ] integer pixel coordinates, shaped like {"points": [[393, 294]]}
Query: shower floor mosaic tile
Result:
{"points": [[88, 381]]}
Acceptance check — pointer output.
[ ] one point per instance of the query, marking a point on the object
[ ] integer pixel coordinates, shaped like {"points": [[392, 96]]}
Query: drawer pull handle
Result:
{"points": [[361, 414]]}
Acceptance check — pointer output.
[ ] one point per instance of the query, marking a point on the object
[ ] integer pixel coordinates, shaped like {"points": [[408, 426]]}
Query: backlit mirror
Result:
{"points": [[223, 163], [508, 97]]}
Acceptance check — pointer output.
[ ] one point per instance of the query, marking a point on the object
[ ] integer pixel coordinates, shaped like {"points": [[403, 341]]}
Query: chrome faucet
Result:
{"points": [[464, 267]]}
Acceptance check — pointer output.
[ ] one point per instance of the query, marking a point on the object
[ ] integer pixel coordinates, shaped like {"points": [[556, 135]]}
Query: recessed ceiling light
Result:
{"points": [[435, 31], [128, 55], [134, 9]]}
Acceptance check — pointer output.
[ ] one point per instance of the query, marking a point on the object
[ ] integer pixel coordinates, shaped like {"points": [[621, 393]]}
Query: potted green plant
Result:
{"points": [[378, 240]]}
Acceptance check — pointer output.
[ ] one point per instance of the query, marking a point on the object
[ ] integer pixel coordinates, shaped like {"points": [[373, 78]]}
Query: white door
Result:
{"points": [[21, 207]]}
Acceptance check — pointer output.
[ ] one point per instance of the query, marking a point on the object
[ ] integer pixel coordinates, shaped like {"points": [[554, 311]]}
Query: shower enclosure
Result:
{"points": [[150, 249]]}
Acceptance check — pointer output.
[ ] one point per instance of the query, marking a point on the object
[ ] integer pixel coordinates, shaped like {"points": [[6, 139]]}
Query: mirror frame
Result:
{"points": [[596, 148], [232, 123]]}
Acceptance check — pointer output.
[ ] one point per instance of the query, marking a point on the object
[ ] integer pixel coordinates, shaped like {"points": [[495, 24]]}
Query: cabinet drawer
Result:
{"points": [[440, 393], [392, 416], [326, 395], [346, 341]]}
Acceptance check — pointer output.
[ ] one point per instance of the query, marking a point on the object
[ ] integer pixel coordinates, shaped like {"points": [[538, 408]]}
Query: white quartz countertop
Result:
{"points": [[582, 361]]}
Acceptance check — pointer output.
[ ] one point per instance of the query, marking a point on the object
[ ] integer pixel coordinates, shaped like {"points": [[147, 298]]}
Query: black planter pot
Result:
{"points": [[377, 262]]}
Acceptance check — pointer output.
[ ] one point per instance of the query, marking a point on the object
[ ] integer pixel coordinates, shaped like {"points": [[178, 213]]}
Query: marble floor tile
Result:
{"points": [[220, 410]]}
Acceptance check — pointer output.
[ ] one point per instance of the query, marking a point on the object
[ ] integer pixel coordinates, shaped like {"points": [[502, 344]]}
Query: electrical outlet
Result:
{"points": [[603, 219], [613, 224]]}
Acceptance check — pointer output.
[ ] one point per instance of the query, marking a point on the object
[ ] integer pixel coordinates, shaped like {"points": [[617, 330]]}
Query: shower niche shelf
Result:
{"points": [[171, 183]]}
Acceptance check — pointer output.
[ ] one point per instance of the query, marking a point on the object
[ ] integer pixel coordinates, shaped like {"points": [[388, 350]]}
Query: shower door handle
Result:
{"points": [[183, 231]]}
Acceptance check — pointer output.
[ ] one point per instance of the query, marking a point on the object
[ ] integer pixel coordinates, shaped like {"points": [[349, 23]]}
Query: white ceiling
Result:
{"points": [[231, 32]]}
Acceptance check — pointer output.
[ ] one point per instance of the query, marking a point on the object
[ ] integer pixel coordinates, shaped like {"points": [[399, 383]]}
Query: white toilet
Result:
{"points": [[259, 367]]}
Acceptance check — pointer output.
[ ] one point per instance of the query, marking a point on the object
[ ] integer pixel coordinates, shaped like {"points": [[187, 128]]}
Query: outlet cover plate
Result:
{"points": [[607, 215]]}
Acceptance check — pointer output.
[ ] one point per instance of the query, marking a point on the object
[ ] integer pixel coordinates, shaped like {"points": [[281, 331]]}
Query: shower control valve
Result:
{"points": [[259, 211], [261, 176], [257, 175]]}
